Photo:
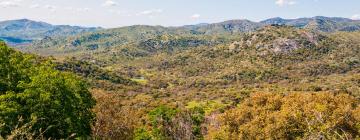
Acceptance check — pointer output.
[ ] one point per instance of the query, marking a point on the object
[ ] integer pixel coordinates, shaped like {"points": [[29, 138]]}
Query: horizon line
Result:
{"points": [[244, 19]]}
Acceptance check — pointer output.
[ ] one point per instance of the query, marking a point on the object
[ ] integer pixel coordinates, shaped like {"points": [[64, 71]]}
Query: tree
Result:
{"points": [[160, 118], [55, 102]]}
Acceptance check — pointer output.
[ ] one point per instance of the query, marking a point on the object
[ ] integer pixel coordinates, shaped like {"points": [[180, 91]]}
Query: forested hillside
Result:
{"points": [[191, 35], [277, 79]]}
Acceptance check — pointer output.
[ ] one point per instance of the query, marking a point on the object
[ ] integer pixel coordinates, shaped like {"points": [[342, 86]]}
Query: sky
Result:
{"points": [[117, 13]]}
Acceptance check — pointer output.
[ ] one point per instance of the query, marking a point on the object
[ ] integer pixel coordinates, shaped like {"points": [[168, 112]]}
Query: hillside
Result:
{"points": [[333, 23], [24, 30], [195, 34], [319, 23], [276, 79], [218, 77]]}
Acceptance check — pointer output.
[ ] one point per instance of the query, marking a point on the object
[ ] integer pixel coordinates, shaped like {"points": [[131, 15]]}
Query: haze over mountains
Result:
{"points": [[25, 30], [21, 31]]}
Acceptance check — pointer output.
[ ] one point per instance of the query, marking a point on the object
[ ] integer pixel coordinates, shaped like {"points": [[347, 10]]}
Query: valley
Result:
{"points": [[274, 79]]}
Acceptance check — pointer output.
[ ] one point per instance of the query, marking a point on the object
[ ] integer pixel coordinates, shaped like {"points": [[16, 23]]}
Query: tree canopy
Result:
{"points": [[54, 103]]}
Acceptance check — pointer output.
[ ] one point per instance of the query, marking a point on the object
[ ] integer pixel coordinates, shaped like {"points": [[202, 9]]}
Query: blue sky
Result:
{"points": [[116, 13]]}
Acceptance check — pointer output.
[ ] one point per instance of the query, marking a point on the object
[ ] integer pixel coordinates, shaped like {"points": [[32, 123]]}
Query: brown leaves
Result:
{"points": [[274, 116]]}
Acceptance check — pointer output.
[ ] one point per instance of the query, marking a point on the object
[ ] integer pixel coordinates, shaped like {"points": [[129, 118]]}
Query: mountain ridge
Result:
{"points": [[13, 31]]}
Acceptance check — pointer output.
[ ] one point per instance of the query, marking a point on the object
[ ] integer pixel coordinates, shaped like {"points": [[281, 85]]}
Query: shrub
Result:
{"points": [[292, 116]]}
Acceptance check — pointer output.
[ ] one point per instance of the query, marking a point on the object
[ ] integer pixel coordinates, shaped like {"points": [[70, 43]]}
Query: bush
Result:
{"points": [[293, 116], [113, 120], [168, 123]]}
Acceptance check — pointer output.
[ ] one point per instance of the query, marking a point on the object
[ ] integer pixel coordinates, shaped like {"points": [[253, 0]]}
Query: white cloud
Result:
{"points": [[83, 9], [50, 7], [150, 13], [195, 16], [355, 17], [9, 3], [77, 10], [285, 2], [34, 6], [109, 3], [69, 8], [120, 13]]}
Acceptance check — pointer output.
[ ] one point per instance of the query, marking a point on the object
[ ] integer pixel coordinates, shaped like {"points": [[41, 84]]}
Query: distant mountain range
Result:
{"points": [[26, 31], [319, 23]]}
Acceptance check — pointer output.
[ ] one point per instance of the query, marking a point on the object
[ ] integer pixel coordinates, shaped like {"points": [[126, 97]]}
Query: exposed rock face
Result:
{"points": [[235, 46], [283, 45], [153, 45], [277, 40]]}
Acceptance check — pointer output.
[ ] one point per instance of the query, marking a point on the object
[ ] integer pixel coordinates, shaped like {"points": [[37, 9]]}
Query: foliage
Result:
{"points": [[202, 81], [168, 123], [142, 134], [50, 100], [292, 116], [202, 75], [197, 115], [161, 117], [91, 71], [113, 120]]}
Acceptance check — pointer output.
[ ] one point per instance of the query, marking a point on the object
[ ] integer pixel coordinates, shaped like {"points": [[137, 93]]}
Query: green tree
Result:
{"points": [[197, 115], [160, 118], [56, 102]]}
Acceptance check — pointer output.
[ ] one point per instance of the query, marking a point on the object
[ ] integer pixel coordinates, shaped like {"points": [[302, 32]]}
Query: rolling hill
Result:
{"points": [[140, 33], [274, 79], [234, 83], [24, 31]]}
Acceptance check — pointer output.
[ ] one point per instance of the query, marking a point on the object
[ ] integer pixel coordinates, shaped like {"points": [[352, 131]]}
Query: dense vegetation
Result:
{"points": [[37, 100], [278, 82], [292, 116]]}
